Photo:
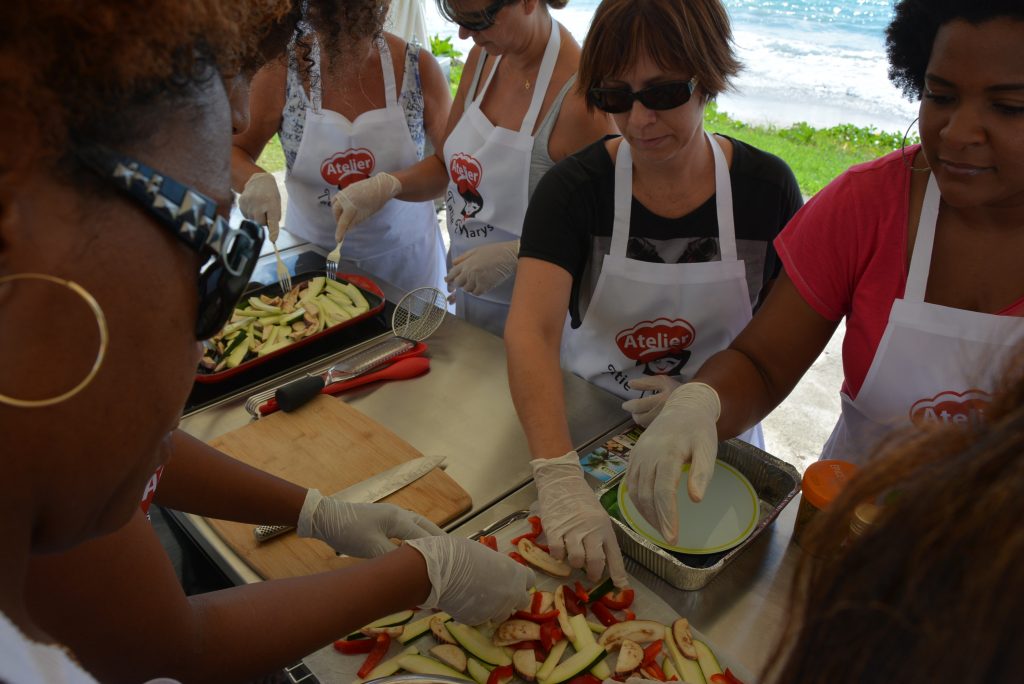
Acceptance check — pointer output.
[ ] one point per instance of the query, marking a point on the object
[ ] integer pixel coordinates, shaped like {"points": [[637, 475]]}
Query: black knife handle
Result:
{"points": [[295, 394]]}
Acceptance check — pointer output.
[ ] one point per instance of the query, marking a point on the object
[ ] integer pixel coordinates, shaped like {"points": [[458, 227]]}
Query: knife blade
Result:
{"points": [[369, 490]]}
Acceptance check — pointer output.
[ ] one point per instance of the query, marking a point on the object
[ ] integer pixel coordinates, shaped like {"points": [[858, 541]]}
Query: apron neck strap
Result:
{"points": [[624, 201], [387, 71], [921, 260], [316, 88]]}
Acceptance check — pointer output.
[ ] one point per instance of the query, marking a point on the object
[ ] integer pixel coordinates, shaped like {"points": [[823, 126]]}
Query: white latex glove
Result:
{"points": [[260, 201], [483, 268], [646, 409], [363, 530], [471, 582], [361, 200], [578, 530], [685, 432]]}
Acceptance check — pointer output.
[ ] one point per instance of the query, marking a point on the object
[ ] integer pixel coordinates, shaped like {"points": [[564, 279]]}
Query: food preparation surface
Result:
{"points": [[329, 666], [328, 445]]}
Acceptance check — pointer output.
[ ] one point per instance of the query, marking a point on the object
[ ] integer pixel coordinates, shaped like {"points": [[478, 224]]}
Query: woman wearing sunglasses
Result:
{"points": [[657, 243], [115, 258], [919, 252], [515, 114], [350, 102]]}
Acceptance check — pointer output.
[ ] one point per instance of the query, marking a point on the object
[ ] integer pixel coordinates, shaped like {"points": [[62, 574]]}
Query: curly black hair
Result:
{"points": [[911, 34]]}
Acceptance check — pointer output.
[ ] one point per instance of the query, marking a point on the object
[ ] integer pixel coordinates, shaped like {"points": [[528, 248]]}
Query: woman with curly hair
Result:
{"points": [[919, 251], [350, 102], [516, 113], [116, 257]]}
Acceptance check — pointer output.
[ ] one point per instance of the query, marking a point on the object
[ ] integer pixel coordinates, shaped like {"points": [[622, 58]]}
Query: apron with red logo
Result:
{"points": [[488, 187], [934, 364], [400, 244], [660, 319], [150, 491]]}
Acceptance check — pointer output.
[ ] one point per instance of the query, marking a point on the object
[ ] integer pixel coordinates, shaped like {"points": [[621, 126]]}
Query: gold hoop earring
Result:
{"points": [[903, 150], [101, 324]]}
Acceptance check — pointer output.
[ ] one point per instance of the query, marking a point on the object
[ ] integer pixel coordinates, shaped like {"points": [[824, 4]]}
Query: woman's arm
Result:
{"points": [[266, 104], [533, 336], [766, 360]]}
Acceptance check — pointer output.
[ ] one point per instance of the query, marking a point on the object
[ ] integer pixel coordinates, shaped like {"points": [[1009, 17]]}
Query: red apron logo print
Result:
{"points": [[466, 173], [345, 168], [150, 491], [951, 408], [650, 340]]}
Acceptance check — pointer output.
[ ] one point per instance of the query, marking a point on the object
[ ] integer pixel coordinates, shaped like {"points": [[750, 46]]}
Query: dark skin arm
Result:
{"points": [[117, 603]]}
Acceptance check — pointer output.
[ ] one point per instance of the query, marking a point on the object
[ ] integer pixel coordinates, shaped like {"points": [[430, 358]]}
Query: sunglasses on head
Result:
{"points": [[476, 21], [656, 97], [229, 254]]}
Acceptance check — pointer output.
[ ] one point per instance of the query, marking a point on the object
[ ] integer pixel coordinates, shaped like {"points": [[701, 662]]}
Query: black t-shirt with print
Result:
{"points": [[569, 220]]}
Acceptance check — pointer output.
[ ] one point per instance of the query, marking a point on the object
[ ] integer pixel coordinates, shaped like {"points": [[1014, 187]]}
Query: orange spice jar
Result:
{"points": [[822, 483]]}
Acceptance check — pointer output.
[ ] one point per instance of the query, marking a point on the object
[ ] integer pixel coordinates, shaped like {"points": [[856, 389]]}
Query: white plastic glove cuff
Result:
{"points": [[304, 527]]}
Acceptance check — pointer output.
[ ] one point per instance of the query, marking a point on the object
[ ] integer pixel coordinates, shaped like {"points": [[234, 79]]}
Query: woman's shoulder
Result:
{"points": [[579, 177]]}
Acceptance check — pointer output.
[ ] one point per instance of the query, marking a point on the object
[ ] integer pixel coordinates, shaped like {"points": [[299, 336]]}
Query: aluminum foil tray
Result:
{"points": [[776, 483]]}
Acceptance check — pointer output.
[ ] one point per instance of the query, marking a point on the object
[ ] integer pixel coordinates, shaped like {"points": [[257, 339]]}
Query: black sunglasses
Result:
{"points": [[230, 253], [657, 97], [475, 21]]}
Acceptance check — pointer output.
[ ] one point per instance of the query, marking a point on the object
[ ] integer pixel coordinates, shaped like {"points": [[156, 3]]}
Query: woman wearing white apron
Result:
{"points": [[352, 125], [516, 113], [641, 240], [919, 251]]}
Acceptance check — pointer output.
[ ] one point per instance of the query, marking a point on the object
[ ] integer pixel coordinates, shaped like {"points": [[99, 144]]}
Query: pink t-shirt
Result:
{"points": [[846, 253]]}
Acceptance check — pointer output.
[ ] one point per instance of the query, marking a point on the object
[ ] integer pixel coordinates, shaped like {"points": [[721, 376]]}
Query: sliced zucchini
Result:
{"points": [[605, 587], [547, 601], [584, 641], [525, 663], [669, 669], [708, 662], [399, 618], [640, 631], [418, 628], [477, 644], [552, 660], [631, 654], [514, 631], [477, 671], [418, 664], [578, 664], [596, 628], [688, 670], [542, 560], [389, 666], [452, 656]]}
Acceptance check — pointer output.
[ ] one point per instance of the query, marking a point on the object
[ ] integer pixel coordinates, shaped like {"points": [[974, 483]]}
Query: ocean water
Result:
{"points": [[819, 61]]}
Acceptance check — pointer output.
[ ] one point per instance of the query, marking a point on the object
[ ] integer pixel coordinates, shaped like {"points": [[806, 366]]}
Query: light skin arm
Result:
{"points": [[266, 102], [533, 335], [766, 360], [117, 602]]}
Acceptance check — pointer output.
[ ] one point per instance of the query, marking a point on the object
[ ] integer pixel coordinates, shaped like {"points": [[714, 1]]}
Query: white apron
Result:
{"points": [[488, 187], [401, 244], [649, 318], [934, 364]]}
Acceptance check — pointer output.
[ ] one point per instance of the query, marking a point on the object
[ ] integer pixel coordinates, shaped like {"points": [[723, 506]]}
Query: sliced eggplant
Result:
{"points": [[525, 663], [542, 560], [631, 654], [450, 655], [563, 615], [547, 601], [640, 631], [395, 631], [439, 630], [514, 631], [683, 637]]}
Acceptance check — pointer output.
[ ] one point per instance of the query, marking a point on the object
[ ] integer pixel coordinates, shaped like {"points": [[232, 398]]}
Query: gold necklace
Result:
{"points": [[527, 84]]}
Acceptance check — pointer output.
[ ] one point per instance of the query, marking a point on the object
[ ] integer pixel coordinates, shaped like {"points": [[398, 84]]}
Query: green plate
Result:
{"points": [[726, 516]]}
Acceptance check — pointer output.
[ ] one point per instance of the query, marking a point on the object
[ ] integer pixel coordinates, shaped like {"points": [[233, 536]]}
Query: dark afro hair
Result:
{"points": [[912, 32]]}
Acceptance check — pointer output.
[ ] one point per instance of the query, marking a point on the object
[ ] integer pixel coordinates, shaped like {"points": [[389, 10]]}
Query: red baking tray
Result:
{"points": [[374, 297]]}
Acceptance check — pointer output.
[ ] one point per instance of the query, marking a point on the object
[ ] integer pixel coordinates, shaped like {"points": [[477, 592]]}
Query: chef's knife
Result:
{"points": [[369, 490]]}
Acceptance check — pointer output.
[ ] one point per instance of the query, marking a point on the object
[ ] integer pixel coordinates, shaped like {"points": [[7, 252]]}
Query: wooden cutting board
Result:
{"points": [[328, 445]]}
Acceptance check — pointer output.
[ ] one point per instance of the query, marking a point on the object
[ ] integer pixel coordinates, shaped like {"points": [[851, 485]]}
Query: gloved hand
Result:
{"points": [[685, 432], [646, 409], [360, 529], [260, 201], [470, 581], [483, 268], [361, 200], [578, 530]]}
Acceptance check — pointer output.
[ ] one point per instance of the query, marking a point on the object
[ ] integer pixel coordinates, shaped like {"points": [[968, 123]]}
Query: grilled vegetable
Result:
{"points": [[630, 657], [542, 560], [513, 631], [525, 663], [640, 631], [450, 655], [439, 630], [683, 637]]}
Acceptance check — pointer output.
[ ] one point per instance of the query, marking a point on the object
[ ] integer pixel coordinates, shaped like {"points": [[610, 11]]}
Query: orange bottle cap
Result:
{"points": [[824, 480]]}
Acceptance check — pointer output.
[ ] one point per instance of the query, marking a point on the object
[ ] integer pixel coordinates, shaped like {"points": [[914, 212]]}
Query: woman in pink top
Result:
{"points": [[919, 251]]}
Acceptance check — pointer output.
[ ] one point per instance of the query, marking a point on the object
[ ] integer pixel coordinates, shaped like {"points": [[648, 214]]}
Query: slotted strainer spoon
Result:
{"points": [[418, 314]]}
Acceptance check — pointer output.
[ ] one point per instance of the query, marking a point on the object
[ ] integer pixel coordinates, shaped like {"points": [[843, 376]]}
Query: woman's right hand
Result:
{"points": [[362, 200], [260, 201], [472, 582]]}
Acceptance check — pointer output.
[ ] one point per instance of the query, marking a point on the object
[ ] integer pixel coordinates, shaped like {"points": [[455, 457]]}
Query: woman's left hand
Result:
{"points": [[483, 268]]}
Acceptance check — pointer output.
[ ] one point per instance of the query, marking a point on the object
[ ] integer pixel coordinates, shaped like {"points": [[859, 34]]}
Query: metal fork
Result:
{"points": [[284, 278], [332, 260]]}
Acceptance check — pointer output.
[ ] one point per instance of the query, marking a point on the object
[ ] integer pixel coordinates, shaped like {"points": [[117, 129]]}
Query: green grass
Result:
{"points": [[272, 158], [816, 155]]}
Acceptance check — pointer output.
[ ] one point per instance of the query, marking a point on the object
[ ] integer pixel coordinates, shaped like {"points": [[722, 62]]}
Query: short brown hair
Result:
{"points": [[678, 35]]}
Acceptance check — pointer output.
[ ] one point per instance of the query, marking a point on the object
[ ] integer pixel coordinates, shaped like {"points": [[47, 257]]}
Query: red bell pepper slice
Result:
{"points": [[537, 617], [525, 646], [550, 634], [581, 593], [514, 555], [654, 671], [536, 601], [628, 615], [535, 524], [529, 535], [380, 647], [652, 651], [572, 603], [499, 673], [726, 677], [585, 679], [353, 646], [602, 613], [619, 600], [489, 541]]}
